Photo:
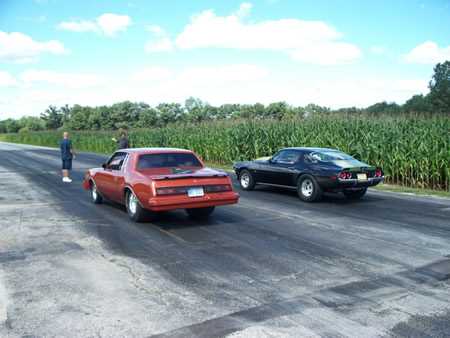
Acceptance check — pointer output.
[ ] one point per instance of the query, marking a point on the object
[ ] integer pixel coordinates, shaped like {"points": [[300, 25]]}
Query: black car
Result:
{"points": [[311, 171]]}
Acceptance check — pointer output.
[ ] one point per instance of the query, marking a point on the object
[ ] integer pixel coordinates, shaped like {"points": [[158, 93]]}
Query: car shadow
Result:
{"points": [[176, 219], [328, 197]]}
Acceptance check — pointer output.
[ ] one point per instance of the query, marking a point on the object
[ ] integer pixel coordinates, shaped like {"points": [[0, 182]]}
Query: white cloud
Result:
{"points": [[305, 41], [108, 24], [220, 75], [79, 26], [331, 53], [163, 44], [66, 80], [7, 80], [151, 74], [379, 50], [160, 42], [18, 47], [232, 83], [428, 53], [244, 9]]}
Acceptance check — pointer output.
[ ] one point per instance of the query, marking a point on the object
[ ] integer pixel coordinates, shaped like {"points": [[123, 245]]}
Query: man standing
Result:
{"points": [[122, 142], [67, 154]]}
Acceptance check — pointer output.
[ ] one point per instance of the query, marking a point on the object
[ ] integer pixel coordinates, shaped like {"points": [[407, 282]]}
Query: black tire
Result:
{"points": [[246, 180], [134, 209], [200, 213], [355, 194], [95, 195], [308, 189]]}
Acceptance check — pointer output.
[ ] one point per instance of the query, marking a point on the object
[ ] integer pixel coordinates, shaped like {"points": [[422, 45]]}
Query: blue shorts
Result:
{"points": [[67, 164]]}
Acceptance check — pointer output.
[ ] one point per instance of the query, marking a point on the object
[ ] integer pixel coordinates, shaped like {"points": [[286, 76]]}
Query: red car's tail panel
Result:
{"points": [[181, 201]]}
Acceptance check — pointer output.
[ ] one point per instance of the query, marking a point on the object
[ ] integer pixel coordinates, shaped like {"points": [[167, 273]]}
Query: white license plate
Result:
{"points": [[361, 177], [195, 192]]}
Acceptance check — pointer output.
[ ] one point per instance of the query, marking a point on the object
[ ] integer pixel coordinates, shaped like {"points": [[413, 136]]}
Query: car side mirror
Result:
{"points": [[104, 166]]}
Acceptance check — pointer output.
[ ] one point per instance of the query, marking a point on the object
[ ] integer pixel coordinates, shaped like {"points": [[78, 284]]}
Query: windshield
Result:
{"points": [[328, 156], [168, 160]]}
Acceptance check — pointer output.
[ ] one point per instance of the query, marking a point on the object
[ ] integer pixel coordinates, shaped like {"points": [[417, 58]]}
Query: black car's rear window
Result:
{"points": [[168, 160], [328, 156]]}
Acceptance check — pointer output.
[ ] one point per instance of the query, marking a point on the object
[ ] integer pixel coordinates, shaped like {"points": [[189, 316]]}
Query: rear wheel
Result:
{"points": [[95, 195], [246, 180], [200, 213], [136, 212], [308, 189], [355, 194]]}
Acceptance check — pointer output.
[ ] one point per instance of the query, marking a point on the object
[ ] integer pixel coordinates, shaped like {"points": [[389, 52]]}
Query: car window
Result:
{"points": [[286, 157], [116, 161], [168, 160], [328, 156]]}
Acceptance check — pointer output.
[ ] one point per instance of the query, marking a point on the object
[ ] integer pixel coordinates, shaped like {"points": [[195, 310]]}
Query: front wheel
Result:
{"points": [[95, 195], [355, 194], [200, 213], [246, 180], [136, 212], [308, 189]]}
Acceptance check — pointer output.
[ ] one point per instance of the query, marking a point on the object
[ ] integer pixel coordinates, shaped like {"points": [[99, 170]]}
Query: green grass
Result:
{"points": [[409, 190]]}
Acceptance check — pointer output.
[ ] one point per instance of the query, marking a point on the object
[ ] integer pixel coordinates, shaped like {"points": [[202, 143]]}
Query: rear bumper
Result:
{"points": [[165, 203], [351, 183], [372, 181]]}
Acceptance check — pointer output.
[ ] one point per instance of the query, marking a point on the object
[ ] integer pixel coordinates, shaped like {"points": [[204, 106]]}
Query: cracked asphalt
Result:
{"points": [[270, 266]]}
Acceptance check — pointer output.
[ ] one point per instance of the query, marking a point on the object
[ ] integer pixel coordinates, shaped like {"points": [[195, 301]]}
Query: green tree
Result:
{"points": [[276, 110], [148, 118], [169, 112], [439, 86], [383, 108], [11, 126], [53, 117], [31, 123], [80, 118], [418, 104]]}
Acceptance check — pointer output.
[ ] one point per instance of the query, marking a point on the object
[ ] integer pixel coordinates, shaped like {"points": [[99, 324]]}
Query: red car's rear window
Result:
{"points": [[168, 160]]}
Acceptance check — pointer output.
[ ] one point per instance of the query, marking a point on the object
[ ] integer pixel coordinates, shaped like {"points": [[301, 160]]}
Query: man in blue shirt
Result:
{"points": [[67, 155]]}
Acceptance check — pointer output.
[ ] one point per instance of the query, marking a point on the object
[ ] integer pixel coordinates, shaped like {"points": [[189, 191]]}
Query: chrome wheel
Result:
{"points": [[307, 187], [94, 193], [245, 180], [132, 203]]}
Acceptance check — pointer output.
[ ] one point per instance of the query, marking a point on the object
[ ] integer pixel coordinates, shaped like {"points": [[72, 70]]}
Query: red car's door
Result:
{"points": [[117, 180], [111, 176]]}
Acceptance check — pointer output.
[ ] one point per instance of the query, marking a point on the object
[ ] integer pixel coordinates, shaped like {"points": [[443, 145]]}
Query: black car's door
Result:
{"points": [[281, 168]]}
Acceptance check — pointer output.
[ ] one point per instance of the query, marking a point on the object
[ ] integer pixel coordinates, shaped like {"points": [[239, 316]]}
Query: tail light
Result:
{"points": [[217, 188], [183, 190], [345, 175], [171, 191], [378, 172]]}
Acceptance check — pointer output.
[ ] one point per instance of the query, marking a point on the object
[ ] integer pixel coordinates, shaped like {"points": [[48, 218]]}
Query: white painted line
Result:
{"points": [[3, 301]]}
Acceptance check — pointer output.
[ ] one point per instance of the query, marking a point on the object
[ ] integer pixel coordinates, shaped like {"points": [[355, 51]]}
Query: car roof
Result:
{"points": [[310, 149], [154, 150]]}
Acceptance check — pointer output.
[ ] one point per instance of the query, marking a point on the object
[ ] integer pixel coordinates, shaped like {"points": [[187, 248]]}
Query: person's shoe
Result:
{"points": [[66, 179]]}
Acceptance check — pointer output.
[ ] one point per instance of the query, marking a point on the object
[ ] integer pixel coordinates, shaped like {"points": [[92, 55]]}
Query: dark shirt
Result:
{"points": [[122, 143], [66, 147]]}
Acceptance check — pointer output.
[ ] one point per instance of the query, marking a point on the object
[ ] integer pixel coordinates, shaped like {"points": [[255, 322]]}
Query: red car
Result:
{"points": [[149, 180]]}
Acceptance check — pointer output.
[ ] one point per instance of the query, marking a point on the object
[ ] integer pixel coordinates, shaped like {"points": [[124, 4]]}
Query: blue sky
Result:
{"points": [[333, 53]]}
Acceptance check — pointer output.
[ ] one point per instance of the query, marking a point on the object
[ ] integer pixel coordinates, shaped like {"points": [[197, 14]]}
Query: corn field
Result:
{"points": [[413, 151]]}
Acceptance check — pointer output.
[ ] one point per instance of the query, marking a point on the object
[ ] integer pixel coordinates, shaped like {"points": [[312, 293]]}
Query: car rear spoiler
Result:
{"points": [[180, 176]]}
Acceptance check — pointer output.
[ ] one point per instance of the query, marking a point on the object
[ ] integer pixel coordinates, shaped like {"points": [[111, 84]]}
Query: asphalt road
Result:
{"points": [[270, 266]]}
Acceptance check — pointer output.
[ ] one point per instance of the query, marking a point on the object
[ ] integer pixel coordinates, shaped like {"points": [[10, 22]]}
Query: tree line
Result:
{"points": [[128, 114]]}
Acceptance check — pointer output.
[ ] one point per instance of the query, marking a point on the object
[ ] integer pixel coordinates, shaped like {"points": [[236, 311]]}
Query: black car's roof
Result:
{"points": [[310, 149]]}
